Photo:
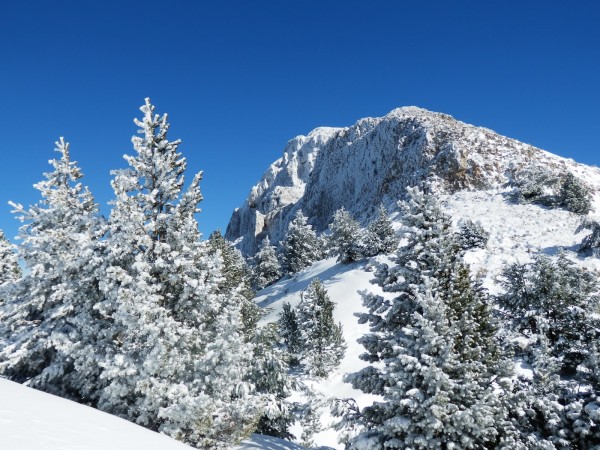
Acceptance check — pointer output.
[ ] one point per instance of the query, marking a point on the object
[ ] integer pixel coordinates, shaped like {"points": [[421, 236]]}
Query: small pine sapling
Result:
{"points": [[590, 243], [345, 237], [471, 235], [321, 339], [574, 196], [380, 237]]}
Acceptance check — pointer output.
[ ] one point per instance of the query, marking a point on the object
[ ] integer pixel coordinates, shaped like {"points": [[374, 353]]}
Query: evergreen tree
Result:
{"points": [[554, 305], [236, 281], [537, 185], [590, 243], [346, 239], [321, 340], [471, 235], [381, 237], [268, 269], [439, 370], [49, 322], [269, 376], [301, 247], [174, 357], [574, 196], [289, 332], [9, 266]]}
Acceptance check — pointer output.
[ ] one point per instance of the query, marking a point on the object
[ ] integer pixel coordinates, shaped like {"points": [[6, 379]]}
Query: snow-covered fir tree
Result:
{"points": [[236, 280], [49, 324], [439, 370], [380, 237], [9, 264], [591, 242], [471, 235], [346, 237], [174, 357], [574, 196], [269, 376], [536, 185], [322, 344], [267, 269], [301, 246], [289, 331], [554, 305]]}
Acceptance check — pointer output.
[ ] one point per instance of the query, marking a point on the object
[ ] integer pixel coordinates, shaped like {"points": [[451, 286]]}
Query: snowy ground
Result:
{"points": [[34, 420]]}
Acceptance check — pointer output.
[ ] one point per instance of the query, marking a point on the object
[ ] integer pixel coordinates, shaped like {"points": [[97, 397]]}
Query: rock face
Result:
{"points": [[373, 161]]}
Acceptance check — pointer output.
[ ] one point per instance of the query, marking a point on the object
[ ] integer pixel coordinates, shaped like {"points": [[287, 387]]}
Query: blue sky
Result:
{"points": [[241, 78]]}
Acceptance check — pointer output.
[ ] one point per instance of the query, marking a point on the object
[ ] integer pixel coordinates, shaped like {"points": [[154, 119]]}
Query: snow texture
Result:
{"points": [[34, 420]]}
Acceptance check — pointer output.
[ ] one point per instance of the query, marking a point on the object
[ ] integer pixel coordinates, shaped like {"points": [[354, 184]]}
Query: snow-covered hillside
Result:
{"points": [[374, 161], [517, 232], [34, 420]]}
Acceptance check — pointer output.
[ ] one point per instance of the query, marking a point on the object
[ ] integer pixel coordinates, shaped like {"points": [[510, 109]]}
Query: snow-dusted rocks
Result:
{"points": [[373, 161]]}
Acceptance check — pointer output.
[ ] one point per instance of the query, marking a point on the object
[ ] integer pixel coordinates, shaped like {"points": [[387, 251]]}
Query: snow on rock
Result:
{"points": [[34, 420], [374, 161]]}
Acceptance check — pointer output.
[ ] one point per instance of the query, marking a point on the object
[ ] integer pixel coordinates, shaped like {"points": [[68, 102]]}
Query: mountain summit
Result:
{"points": [[373, 161]]}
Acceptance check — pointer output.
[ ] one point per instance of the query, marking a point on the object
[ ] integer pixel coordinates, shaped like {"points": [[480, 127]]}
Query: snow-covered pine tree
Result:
{"points": [[301, 246], [289, 332], [269, 376], [537, 185], [236, 281], [49, 324], [435, 345], [322, 344], [590, 243], [574, 196], [174, 357], [471, 235], [267, 269], [9, 264], [346, 237], [380, 237], [554, 305]]}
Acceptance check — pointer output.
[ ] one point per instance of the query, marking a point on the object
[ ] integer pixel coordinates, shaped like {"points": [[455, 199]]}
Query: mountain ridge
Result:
{"points": [[373, 161]]}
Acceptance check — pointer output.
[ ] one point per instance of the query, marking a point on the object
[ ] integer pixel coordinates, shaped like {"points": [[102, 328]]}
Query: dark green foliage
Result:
{"points": [[590, 243], [554, 305], [471, 235], [345, 237], [440, 370], [321, 339], [574, 196], [290, 333], [301, 246], [380, 237], [540, 186], [536, 185], [236, 280], [267, 269], [553, 299], [269, 376]]}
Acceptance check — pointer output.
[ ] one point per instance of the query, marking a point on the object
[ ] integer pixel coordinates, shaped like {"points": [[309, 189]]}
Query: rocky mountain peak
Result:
{"points": [[372, 162]]}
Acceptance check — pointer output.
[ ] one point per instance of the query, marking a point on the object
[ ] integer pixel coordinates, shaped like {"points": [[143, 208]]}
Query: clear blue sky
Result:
{"points": [[241, 78]]}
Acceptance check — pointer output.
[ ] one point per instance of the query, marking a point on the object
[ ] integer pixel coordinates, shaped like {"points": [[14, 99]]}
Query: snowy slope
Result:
{"points": [[374, 161], [34, 420], [517, 232]]}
